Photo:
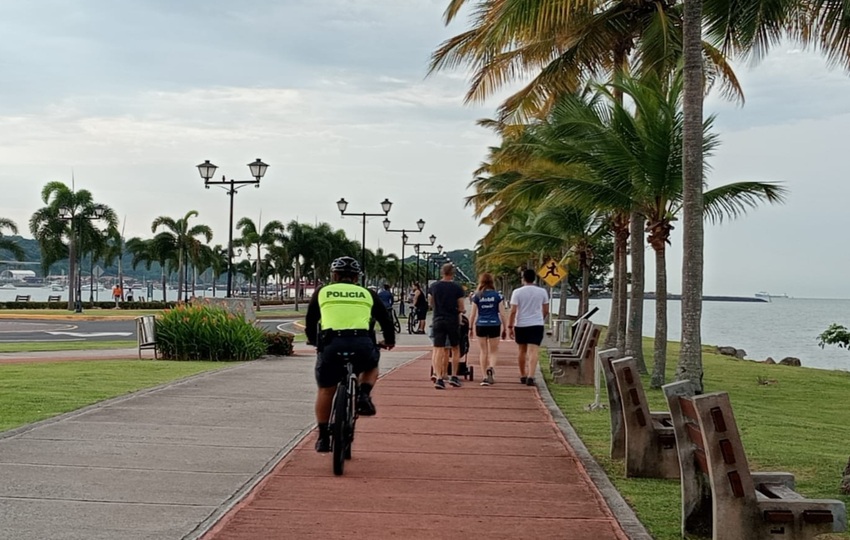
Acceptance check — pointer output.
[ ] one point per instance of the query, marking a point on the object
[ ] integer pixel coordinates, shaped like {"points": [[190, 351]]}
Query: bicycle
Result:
{"points": [[412, 321], [396, 322], [344, 413]]}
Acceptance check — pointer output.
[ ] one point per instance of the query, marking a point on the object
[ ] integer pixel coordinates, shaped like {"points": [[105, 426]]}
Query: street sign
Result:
{"points": [[97, 271], [552, 272]]}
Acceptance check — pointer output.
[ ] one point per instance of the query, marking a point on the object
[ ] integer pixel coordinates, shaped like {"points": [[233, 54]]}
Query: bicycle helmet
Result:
{"points": [[345, 265]]}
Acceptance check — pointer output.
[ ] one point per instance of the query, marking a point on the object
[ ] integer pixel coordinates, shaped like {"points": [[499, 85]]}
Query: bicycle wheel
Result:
{"points": [[396, 322], [412, 322], [339, 427], [352, 415]]}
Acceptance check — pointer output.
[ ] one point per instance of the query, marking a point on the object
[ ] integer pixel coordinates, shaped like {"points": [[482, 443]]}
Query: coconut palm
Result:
{"points": [[641, 143], [185, 241], [7, 243], [160, 249], [252, 237], [67, 217]]}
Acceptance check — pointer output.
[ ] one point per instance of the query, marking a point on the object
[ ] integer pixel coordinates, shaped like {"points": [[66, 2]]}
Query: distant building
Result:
{"points": [[17, 275]]}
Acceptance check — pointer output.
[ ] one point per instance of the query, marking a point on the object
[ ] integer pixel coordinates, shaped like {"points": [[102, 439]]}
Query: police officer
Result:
{"points": [[341, 318]]}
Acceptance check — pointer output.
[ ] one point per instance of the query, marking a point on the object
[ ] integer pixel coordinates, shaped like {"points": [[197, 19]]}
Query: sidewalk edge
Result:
{"points": [[623, 513]]}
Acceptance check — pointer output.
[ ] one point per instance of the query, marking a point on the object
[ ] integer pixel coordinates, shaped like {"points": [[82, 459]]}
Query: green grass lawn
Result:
{"points": [[36, 346], [35, 391], [799, 423]]}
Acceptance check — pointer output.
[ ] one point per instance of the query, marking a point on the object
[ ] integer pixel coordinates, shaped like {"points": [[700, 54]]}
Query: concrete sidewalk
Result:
{"points": [[163, 463], [471, 462]]}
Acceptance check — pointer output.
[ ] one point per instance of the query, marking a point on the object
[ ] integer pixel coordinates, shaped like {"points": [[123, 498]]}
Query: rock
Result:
{"points": [[790, 361], [727, 351], [740, 353], [845, 482], [769, 360]]}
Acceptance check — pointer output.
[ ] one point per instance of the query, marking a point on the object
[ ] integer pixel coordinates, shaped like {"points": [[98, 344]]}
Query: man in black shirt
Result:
{"points": [[447, 303]]}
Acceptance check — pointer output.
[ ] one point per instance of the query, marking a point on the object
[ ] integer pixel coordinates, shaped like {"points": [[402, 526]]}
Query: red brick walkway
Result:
{"points": [[471, 462]]}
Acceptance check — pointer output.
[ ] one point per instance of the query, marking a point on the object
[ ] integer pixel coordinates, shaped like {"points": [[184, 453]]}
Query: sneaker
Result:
{"points": [[440, 384], [486, 381], [530, 381], [323, 444], [454, 381], [365, 407], [523, 380], [491, 374]]}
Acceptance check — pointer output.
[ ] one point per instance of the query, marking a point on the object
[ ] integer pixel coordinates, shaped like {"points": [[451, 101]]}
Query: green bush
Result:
{"points": [[205, 332], [278, 343]]}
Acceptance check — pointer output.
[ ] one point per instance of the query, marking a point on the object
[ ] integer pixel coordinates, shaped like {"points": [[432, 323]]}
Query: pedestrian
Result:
{"points": [[420, 304], [529, 309], [487, 321], [386, 296], [446, 299], [116, 294], [129, 294]]}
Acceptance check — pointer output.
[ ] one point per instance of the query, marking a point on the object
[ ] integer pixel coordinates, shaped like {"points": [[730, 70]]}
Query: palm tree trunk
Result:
{"points": [[584, 302], [690, 356], [634, 334], [179, 273], [259, 274], [562, 303], [164, 284], [623, 293], [613, 316], [72, 270], [659, 349]]}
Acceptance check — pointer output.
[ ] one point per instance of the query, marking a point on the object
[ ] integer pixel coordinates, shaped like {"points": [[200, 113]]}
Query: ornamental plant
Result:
{"points": [[206, 332], [278, 343]]}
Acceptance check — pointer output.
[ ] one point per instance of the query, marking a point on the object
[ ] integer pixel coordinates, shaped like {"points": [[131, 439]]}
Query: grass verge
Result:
{"points": [[35, 391], [799, 423], [48, 346]]}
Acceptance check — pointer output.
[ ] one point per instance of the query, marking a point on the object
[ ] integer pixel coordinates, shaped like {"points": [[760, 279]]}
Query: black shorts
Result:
{"points": [[528, 335], [421, 313], [446, 331], [330, 369], [488, 331]]}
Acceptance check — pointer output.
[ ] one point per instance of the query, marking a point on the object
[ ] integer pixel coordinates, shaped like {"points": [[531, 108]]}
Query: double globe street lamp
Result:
{"points": [[421, 225], [207, 170], [342, 205]]}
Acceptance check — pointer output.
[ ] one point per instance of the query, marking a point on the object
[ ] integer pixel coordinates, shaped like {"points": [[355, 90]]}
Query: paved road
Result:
{"points": [[57, 330]]}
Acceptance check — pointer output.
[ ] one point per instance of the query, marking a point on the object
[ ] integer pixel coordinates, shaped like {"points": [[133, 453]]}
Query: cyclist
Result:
{"points": [[346, 313], [386, 296]]}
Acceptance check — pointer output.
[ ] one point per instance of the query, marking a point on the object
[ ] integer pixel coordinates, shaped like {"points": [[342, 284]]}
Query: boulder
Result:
{"points": [[740, 353], [790, 361], [769, 360], [727, 351], [845, 482]]}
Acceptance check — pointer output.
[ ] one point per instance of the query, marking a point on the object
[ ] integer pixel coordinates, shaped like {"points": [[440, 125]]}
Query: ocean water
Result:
{"points": [[776, 329], [40, 294]]}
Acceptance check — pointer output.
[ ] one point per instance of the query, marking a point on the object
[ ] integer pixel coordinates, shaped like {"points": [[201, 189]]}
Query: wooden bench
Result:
{"points": [[719, 494], [645, 439], [146, 333], [578, 368], [579, 333], [54, 298], [22, 298]]}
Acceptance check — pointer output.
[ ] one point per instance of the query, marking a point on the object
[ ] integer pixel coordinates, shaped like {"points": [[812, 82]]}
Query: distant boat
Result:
{"points": [[762, 295], [57, 287], [7, 286]]}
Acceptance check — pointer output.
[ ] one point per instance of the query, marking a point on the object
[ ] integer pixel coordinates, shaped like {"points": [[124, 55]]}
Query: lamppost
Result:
{"points": [[71, 215], [429, 259], [297, 263], [421, 225], [207, 170], [416, 248], [342, 204]]}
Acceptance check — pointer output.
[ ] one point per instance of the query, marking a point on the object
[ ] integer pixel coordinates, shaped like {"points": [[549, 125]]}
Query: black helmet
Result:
{"points": [[345, 265]]}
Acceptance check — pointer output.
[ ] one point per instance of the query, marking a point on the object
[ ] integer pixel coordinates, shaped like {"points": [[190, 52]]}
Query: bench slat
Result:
{"points": [[778, 491]]}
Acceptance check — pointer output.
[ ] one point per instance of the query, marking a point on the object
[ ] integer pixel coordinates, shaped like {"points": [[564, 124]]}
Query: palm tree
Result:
{"points": [[7, 243], [67, 216], [271, 234], [185, 241]]}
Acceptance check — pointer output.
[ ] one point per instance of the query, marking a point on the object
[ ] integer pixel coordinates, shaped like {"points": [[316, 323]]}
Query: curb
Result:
{"points": [[623, 513]]}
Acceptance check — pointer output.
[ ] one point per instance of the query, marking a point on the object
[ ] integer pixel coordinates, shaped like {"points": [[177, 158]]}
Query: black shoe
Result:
{"points": [[523, 380], [323, 444], [530, 381], [440, 384], [365, 407]]}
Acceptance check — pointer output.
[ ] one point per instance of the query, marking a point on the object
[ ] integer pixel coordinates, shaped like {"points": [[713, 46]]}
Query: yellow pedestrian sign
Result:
{"points": [[552, 272]]}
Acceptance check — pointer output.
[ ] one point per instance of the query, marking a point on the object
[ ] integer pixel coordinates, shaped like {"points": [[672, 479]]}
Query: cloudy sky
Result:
{"points": [[333, 94]]}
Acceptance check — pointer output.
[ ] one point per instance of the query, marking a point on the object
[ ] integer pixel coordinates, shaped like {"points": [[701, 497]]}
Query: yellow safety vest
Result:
{"points": [[345, 306]]}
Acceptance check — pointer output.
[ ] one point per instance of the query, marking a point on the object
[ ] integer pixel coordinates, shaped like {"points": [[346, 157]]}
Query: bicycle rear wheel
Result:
{"points": [[412, 322], [339, 427], [396, 323]]}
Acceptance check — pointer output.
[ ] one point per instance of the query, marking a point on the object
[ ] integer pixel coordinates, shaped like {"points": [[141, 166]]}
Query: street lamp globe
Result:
{"points": [[386, 224], [207, 170], [98, 212], [420, 224], [439, 248], [432, 238], [386, 205], [65, 213], [258, 169], [342, 204]]}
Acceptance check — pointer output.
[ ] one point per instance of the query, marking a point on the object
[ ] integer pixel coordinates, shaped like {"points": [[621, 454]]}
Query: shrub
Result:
{"points": [[205, 332], [278, 343]]}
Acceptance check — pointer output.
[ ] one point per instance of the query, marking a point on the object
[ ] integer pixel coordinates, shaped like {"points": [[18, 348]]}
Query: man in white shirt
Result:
{"points": [[529, 309]]}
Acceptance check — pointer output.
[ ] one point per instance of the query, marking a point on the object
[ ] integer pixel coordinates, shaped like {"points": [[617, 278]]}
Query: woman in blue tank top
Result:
{"points": [[487, 321]]}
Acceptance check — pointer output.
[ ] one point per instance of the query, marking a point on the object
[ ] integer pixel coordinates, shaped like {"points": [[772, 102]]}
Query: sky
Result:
{"points": [[127, 98]]}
